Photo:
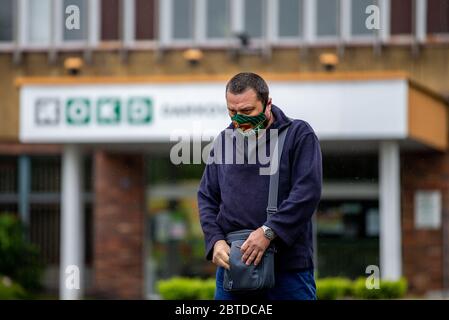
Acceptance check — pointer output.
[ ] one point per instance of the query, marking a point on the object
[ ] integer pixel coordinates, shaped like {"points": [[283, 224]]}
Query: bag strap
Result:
{"points": [[274, 178]]}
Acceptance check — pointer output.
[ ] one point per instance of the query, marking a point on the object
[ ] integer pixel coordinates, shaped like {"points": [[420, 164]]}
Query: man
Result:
{"points": [[232, 197]]}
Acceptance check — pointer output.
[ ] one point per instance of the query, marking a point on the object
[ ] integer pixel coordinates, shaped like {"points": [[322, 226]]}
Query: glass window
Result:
{"points": [[75, 34], [347, 236], [401, 17], [290, 13], [8, 175], [217, 18], [351, 167], [6, 20], [145, 19], [254, 18], [437, 16], [174, 230], [9, 208], [39, 21], [45, 174], [359, 16], [183, 13], [327, 17], [110, 19], [45, 232]]}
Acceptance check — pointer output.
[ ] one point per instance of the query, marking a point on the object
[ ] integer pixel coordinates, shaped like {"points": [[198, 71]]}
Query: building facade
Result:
{"points": [[85, 158]]}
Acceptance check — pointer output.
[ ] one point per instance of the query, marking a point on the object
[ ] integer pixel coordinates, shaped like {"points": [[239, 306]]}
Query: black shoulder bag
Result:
{"points": [[241, 277]]}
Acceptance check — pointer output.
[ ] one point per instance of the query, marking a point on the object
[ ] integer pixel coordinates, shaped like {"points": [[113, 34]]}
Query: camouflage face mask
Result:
{"points": [[249, 125]]}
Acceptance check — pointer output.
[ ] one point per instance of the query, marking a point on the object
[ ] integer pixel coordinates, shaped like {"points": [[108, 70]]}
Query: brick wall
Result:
{"points": [[423, 258], [118, 224]]}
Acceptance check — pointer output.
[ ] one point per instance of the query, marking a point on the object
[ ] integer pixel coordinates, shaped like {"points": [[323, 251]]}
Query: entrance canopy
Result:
{"points": [[339, 106]]}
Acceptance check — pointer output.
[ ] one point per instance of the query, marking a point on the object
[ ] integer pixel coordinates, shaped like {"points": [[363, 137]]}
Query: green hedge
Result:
{"points": [[10, 290], [333, 288], [180, 288], [387, 289]]}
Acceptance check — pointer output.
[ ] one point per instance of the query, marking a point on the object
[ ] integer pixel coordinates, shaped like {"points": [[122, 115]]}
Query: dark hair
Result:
{"points": [[248, 80]]}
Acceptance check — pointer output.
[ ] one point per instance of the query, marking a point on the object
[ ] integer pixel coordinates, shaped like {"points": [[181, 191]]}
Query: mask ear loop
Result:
{"points": [[264, 108]]}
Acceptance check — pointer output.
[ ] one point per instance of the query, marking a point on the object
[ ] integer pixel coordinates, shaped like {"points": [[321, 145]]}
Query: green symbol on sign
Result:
{"points": [[140, 110], [108, 111], [78, 111]]}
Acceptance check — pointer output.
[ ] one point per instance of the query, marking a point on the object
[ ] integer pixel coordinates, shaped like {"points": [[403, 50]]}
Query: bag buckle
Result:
{"points": [[271, 210]]}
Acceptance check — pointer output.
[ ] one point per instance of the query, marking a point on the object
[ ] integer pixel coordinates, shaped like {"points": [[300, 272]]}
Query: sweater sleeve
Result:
{"points": [[209, 205], [301, 203]]}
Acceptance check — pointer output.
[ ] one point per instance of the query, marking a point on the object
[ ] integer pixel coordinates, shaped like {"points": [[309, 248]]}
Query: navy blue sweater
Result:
{"points": [[234, 196]]}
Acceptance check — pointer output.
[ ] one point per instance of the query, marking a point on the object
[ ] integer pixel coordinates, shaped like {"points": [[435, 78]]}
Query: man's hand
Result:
{"points": [[254, 247], [221, 254]]}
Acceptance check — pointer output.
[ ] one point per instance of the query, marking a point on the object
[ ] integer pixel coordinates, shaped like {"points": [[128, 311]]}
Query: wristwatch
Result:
{"points": [[268, 232]]}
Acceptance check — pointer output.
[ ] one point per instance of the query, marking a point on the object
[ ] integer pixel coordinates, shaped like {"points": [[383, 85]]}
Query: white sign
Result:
{"points": [[428, 209], [153, 112]]}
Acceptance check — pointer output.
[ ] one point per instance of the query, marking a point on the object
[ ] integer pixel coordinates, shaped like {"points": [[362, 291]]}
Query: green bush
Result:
{"points": [[394, 289], [179, 288], [333, 288], [207, 289], [387, 289], [10, 290], [19, 259]]}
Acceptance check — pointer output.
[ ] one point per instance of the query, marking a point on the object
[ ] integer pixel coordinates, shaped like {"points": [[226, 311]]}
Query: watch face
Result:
{"points": [[269, 234]]}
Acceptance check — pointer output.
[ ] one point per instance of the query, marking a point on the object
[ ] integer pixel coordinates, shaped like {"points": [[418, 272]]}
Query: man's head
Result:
{"points": [[248, 101]]}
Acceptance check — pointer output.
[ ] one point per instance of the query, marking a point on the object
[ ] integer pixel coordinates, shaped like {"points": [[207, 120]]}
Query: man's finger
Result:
{"points": [[219, 261], [223, 264], [259, 257], [247, 253], [252, 257], [244, 247], [224, 256]]}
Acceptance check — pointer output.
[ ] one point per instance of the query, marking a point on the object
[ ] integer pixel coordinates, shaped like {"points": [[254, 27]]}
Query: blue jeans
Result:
{"points": [[289, 285]]}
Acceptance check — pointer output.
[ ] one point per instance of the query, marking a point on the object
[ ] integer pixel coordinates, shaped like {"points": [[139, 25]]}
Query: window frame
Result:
{"points": [[12, 44], [324, 40], [348, 36], [163, 36], [123, 7], [167, 21], [401, 39], [275, 36], [24, 34], [266, 36], [430, 38], [59, 16], [215, 41], [56, 41], [129, 18]]}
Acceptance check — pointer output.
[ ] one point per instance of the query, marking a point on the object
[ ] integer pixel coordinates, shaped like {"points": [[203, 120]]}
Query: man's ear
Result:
{"points": [[269, 104]]}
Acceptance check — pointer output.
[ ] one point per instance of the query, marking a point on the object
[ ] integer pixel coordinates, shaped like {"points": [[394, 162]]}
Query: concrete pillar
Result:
{"points": [[72, 225], [390, 211]]}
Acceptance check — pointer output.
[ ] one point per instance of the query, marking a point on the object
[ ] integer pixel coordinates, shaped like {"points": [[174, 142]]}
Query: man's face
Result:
{"points": [[246, 103]]}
